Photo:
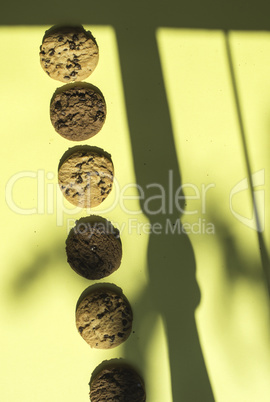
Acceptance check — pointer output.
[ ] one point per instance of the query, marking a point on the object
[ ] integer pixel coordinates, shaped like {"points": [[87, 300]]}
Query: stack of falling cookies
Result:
{"points": [[93, 247]]}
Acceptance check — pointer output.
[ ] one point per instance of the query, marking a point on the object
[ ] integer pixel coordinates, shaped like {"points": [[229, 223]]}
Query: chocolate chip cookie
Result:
{"points": [[85, 177], [104, 318], [78, 111], [68, 53], [94, 248], [117, 383]]}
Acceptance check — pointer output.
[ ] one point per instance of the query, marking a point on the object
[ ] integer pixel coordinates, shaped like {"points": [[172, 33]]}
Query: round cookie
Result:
{"points": [[68, 53], [94, 248], [117, 383], [78, 111], [104, 318], [86, 177]]}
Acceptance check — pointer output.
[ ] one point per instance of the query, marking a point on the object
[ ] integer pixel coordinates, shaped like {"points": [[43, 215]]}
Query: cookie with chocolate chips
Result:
{"points": [[68, 53], [94, 248], [104, 318], [85, 176], [117, 383], [77, 111]]}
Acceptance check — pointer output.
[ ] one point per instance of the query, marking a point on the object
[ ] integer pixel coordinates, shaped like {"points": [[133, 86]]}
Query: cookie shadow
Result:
{"points": [[103, 225], [120, 362], [104, 286], [65, 28], [85, 149], [78, 85]]}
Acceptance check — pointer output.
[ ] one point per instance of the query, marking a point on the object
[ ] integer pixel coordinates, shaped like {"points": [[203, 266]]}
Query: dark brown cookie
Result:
{"points": [[68, 53], [78, 111], [104, 318], [94, 248], [117, 383], [85, 177]]}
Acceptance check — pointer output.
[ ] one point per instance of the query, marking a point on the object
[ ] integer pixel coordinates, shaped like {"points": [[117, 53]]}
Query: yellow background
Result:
{"points": [[42, 355]]}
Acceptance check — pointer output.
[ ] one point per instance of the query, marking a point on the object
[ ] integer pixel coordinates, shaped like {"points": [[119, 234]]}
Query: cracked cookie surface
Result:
{"points": [[78, 112], [117, 383], [69, 54], [86, 178], [104, 319], [94, 248]]}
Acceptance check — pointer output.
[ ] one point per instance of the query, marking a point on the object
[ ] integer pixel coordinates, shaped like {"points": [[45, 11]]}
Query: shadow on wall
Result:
{"points": [[48, 261], [194, 14], [237, 265], [172, 290], [261, 242]]}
